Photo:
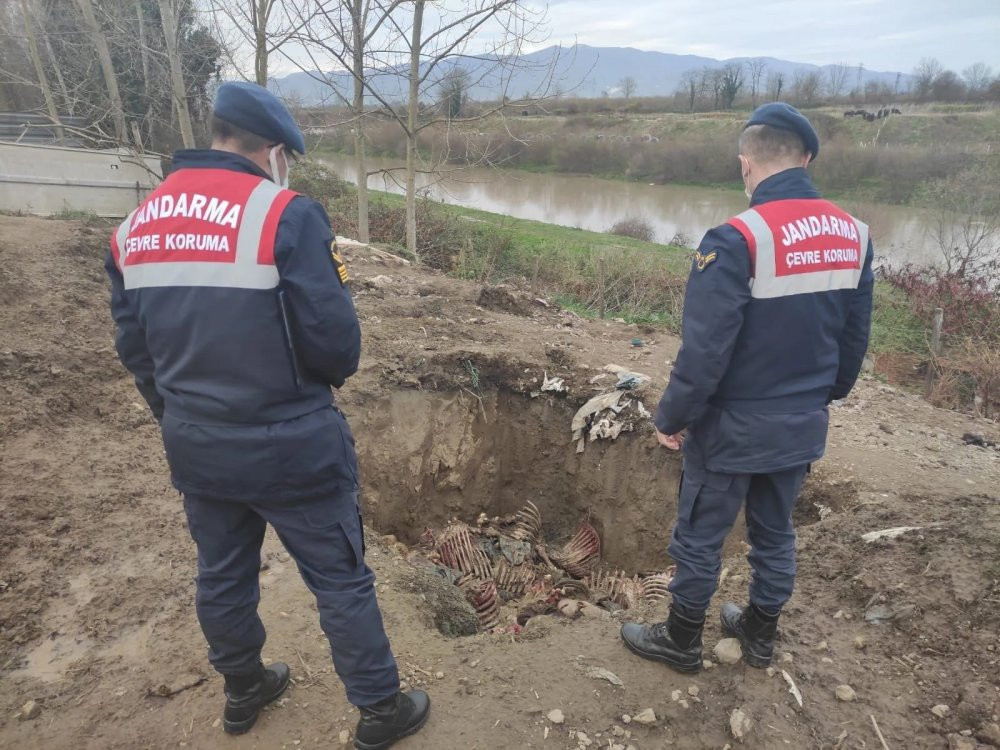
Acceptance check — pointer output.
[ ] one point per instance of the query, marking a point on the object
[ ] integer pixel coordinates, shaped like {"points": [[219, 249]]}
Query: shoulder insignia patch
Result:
{"points": [[338, 263], [702, 261]]}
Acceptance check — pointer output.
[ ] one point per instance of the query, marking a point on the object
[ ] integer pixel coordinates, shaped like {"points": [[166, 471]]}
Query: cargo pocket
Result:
{"points": [[698, 487], [355, 537], [686, 498], [341, 521]]}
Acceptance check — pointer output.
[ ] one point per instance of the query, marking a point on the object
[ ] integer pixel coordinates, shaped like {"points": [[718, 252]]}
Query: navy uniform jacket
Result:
{"points": [[756, 371], [243, 417]]}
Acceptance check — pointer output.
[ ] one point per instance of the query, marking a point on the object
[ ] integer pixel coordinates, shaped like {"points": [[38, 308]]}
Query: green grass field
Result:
{"points": [[566, 262]]}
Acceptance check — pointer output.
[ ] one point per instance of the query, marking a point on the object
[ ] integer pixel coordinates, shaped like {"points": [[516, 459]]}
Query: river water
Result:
{"points": [[901, 234]]}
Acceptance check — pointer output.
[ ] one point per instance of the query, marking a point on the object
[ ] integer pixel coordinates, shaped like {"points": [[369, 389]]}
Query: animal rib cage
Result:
{"points": [[505, 560]]}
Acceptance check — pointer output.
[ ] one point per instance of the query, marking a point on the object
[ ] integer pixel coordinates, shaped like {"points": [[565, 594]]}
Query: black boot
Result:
{"points": [[247, 694], [755, 629], [676, 642], [392, 719]]}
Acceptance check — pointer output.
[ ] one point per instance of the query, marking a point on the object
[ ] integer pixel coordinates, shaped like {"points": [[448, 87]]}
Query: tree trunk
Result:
{"points": [[144, 56], [411, 129], [43, 80], [358, 28], [107, 68], [63, 90], [261, 12], [176, 74]]}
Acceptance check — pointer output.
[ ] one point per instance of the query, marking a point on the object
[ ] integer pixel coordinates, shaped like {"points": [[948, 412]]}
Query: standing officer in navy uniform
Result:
{"points": [[776, 320], [231, 312]]}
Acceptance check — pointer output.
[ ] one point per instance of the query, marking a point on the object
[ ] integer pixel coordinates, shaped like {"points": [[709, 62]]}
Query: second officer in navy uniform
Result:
{"points": [[775, 327], [232, 313]]}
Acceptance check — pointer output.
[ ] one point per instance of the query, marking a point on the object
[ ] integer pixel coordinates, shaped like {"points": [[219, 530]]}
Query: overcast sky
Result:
{"points": [[882, 34]]}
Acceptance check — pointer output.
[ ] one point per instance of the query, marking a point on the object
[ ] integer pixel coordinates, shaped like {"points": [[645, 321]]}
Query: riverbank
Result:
{"points": [[902, 234], [887, 160], [640, 282], [643, 283]]}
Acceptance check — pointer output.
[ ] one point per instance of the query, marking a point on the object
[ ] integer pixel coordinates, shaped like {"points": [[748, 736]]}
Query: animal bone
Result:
{"points": [[573, 587], [623, 590], [528, 524], [457, 550], [654, 587], [484, 598], [514, 580], [581, 553]]}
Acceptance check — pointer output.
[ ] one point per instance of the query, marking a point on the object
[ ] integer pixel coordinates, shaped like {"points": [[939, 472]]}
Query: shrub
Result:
{"points": [[318, 181], [970, 308], [637, 227]]}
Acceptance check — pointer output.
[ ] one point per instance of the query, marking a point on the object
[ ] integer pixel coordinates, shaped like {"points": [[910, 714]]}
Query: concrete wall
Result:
{"points": [[46, 180]]}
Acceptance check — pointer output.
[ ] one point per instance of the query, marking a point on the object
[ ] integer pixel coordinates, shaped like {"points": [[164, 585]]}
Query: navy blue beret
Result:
{"points": [[786, 117], [260, 112]]}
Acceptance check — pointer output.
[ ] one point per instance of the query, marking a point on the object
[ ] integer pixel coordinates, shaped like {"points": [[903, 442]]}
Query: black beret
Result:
{"points": [[786, 117], [260, 112]]}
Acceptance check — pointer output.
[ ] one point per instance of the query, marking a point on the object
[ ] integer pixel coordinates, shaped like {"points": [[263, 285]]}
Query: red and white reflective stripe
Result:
{"points": [[817, 259], [247, 265]]}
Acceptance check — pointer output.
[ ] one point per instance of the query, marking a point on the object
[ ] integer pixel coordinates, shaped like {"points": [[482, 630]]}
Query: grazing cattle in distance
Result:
{"points": [[872, 116]]}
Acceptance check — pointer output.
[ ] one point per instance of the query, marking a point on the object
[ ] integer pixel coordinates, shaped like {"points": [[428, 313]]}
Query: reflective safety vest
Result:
{"points": [[802, 245], [203, 227]]}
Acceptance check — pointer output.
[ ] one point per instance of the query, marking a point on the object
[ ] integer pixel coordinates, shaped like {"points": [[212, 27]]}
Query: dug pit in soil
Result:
{"points": [[430, 457], [463, 480], [492, 496]]}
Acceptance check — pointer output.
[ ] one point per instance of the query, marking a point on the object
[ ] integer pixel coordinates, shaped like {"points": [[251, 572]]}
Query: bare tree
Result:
{"points": [[36, 60], [169, 20], [776, 84], [806, 86], [928, 69], [977, 78], [352, 33], [418, 44], [261, 26], [689, 87], [755, 67], [628, 86], [432, 48], [836, 79], [100, 44], [711, 81], [967, 223]]}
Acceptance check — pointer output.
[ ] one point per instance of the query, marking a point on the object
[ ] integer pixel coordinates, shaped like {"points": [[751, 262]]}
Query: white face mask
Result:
{"points": [[746, 184], [272, 160]]}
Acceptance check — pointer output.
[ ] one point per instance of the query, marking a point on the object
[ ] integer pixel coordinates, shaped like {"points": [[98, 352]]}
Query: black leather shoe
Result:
{"points": [[392, 719], [676, 642], [246, 695], [755, 629]]}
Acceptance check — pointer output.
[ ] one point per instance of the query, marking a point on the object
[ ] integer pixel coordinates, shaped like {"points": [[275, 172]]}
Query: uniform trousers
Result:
{"points": [[324, 536], [708, 506]]}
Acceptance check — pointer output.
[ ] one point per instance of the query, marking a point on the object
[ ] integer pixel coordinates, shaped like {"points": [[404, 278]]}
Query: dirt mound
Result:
{"points": [[96, 564], [505, 299]]}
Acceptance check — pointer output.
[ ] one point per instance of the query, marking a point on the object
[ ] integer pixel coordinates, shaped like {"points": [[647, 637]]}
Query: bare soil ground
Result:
{"points": [[96, 566]]}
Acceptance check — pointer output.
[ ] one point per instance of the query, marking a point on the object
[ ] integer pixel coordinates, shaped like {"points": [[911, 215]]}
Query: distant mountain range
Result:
{"points": [[578, 71]]}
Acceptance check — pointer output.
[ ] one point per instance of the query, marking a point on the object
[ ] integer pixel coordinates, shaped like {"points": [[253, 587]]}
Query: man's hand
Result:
{"points": [[670, 442]]}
